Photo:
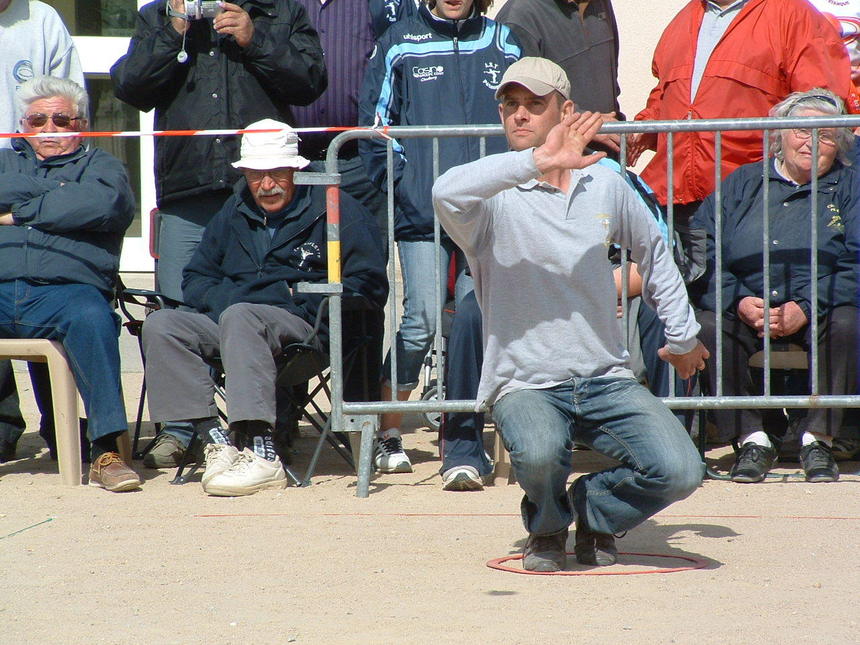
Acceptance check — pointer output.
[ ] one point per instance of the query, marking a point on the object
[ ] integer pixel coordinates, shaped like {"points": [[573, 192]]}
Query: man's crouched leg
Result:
{"points": [[537, 435]]}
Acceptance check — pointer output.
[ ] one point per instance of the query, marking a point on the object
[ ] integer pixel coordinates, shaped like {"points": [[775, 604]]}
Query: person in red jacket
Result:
{"points": [[730, 59]]}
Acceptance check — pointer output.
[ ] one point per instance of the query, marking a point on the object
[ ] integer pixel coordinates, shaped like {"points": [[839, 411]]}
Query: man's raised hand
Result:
{"points": [[566, 142]]}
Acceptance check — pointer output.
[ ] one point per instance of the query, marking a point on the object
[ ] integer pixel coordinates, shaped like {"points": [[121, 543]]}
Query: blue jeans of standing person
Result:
{"points": [[179, 233], [423, 297], [616, 417], [461, 434], [652, 336], [80, 317], [182, 223]]}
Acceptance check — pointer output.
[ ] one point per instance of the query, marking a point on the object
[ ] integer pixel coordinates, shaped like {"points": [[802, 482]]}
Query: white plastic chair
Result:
{"points": [[65, 401]]}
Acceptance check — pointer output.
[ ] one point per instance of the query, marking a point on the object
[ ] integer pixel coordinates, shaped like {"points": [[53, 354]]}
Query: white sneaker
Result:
{"points": [[218, 458], [462, 478], [390, 457], [248, 474]]}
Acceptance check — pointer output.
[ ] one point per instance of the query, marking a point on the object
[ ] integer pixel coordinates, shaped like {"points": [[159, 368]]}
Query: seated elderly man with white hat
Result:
{"points": [[269, 236]]}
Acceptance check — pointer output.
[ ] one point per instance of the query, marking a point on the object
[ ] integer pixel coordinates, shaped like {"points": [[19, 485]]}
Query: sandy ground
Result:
{"points": [[167, 564]]}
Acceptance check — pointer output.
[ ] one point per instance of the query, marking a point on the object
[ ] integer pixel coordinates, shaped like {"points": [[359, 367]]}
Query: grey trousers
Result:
{"points": [[181, 346]]}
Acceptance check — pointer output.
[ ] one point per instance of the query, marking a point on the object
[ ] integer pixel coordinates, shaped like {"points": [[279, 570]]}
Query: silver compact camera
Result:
{"points": [[197, 9]]}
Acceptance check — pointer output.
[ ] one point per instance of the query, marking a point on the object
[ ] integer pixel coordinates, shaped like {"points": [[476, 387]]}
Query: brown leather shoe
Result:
{"points": [[110, 472]]}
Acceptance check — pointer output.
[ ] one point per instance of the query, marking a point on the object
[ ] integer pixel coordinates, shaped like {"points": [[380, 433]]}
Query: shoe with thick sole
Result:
{"points": [[462, 478], [390, 457], [166, 452], [594, 549], [818, 463], [249, 474], [7, 450], [752, 463], [218, 457], [110, 472], [545, 553]]}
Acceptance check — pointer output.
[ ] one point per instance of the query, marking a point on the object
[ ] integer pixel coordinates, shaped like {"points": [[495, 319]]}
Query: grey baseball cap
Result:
{"points": [[538, 75]]}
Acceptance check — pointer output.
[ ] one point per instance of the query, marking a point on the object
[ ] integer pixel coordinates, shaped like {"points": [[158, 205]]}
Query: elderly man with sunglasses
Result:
{"points": [[64, 209]]}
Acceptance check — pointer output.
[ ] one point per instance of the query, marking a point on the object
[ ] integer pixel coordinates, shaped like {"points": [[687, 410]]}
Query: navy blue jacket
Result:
{"points": [[429, 71], [789, 243], [385, 13], [71, 213], [238, 261]]}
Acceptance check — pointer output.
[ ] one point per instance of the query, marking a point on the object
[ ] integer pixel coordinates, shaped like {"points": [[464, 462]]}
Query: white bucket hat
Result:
{"points": [[268, 150]]}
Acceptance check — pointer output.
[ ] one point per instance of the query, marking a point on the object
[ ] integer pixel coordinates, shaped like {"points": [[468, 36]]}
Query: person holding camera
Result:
{"points": [[210, 65]]}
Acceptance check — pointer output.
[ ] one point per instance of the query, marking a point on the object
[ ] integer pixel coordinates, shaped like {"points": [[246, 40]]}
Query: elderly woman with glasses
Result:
{"points": [[794, 174]]}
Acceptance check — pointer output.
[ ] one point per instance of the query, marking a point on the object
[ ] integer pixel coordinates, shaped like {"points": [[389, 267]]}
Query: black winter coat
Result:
{"points": [[238, 261], [71, 213], [221, 86]]}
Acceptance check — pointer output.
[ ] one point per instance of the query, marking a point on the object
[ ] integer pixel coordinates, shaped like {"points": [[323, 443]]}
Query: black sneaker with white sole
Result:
{"points": [[390, 457]]}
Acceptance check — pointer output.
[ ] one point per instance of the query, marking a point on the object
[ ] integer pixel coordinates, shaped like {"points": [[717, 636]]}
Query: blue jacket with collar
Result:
{"points": [[788, 243], [430, 71], [70, 212], [238, 261]]}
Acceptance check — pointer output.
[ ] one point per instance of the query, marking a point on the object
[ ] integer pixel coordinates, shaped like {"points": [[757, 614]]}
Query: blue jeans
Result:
{"points": [[461, 434], [420, 293], [616, 417], [80, 318]]}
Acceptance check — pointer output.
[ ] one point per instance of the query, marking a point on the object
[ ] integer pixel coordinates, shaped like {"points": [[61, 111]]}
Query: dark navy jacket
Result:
{"points": [[238, 261], [788, 243], [429, 71], [71, 213], [385, 13]]}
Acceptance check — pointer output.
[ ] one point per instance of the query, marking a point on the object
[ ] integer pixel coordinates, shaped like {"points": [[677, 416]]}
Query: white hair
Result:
{"points": [[820, 100], [45, 87]]}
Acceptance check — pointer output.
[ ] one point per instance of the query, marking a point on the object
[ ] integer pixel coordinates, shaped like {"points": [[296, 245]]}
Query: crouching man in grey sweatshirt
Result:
{"points": [[535, 225]]}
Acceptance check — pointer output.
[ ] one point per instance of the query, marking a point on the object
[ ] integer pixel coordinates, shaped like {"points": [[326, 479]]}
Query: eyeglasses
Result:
{"points": [[277, 174], [824, 136], [37, 119]]}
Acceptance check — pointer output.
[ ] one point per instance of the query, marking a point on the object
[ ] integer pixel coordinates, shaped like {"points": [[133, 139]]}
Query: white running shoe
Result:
{"points": [[390, 457], [462, 478], [218, 458], [248, 474]]}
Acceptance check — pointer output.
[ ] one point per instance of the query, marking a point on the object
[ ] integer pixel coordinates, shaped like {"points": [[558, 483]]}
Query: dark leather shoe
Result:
{"points": [[545, 552], [818, 463], [594, 549], [753, 463], [7, 450]]}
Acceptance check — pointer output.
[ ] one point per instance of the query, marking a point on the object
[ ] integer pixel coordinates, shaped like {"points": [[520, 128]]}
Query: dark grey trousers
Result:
{"points": [[181, 346]]}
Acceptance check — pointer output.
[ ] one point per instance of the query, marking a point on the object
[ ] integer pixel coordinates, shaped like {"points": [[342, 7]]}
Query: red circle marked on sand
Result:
{"points": [[697, 563]]}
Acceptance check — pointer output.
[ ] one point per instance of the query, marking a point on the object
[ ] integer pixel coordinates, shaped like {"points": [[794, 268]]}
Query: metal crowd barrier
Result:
{"points": [[362, 416]]}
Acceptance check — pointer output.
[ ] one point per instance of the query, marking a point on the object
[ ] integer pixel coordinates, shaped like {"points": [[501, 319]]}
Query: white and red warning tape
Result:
{"points": [[175, 133]]}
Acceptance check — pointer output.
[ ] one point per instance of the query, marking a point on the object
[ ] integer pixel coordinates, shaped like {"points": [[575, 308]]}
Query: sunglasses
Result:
{"points": [[37, 120], [278, 174]]}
